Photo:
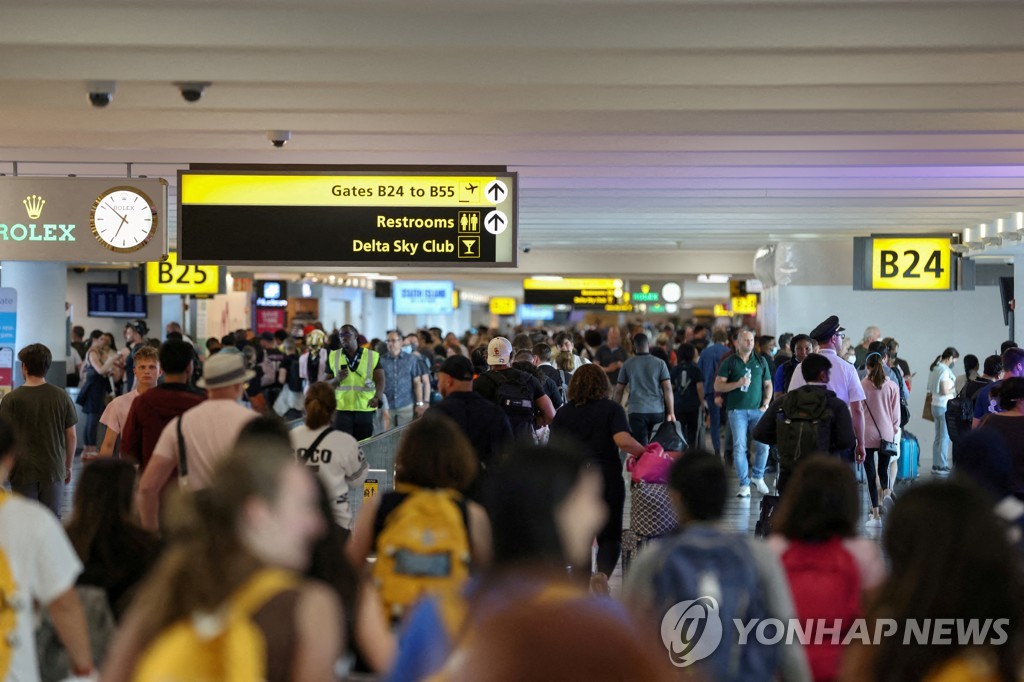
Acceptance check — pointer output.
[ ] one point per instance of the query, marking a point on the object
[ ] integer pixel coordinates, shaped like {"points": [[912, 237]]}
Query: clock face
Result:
{"points": [[123, 219]]}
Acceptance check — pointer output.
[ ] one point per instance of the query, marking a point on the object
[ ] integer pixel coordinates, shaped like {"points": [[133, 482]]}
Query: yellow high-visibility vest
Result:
{"points": [[355, 390]]}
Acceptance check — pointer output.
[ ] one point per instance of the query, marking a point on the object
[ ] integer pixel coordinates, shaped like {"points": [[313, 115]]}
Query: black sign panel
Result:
{"points": [[457, 219]]}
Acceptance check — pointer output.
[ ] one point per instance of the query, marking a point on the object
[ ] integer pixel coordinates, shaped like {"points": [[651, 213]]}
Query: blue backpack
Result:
{"points": [[705, 562]]}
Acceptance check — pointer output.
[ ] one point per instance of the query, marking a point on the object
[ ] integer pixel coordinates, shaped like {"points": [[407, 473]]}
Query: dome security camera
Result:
{"points": [[192, 91], [279, 138], [101, 93]]}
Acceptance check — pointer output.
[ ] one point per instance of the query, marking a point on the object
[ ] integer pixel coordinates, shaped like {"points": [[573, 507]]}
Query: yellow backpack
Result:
{"points": [[422, 547], [226, 646], [8, 609]]}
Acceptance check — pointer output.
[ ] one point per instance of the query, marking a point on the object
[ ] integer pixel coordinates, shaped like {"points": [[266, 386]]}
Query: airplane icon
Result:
{"points": [[468, 193]]}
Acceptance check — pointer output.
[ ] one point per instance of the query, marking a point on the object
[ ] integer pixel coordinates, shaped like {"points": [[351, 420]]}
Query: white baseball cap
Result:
{"points": [[499, 351]]}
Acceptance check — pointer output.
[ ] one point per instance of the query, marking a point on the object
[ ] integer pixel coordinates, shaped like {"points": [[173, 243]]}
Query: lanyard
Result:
{"points": [[353, 366]]}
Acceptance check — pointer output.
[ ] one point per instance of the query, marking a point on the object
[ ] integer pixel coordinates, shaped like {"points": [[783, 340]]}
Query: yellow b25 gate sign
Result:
{"points": [[169, 277], [917, 264]]}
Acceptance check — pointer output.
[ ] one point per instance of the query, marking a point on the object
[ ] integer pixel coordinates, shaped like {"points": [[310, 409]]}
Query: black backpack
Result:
{"points": [[684, 391], [959, 415], [514, 395], [563, 385], [802, 420]]}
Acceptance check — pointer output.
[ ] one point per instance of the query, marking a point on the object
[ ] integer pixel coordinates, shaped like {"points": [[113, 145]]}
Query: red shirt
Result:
{"points": [[150, 413]]}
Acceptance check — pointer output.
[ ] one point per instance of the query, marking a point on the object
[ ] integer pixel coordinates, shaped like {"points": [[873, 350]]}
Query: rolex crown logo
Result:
{"points": [[34, 205]]}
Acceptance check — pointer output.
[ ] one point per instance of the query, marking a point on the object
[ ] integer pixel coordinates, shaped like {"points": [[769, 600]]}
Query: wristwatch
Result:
{"points": [[420, 404]]}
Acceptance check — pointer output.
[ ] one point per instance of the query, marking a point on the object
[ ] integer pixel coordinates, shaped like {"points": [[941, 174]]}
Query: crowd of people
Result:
{"points": [[211, 539]]}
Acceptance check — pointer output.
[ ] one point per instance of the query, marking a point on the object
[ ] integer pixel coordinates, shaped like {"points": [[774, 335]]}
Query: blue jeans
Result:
{"points": [[47, 494], [741, 424], [715, 420], [940, 448]]}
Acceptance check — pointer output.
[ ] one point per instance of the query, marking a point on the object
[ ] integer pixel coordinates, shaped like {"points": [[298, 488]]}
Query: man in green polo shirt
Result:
{"points": [[747, 384]]}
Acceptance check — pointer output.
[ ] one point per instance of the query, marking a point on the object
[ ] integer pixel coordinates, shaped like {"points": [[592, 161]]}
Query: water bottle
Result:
{"points": [[747, 375]]}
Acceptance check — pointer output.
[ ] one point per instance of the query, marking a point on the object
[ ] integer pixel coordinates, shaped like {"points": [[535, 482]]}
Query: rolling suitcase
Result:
{"points": [[910, 455], [766, 521]]}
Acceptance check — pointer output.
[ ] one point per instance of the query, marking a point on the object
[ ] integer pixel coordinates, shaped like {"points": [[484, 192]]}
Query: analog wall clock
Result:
{"points": [[123, 219]]}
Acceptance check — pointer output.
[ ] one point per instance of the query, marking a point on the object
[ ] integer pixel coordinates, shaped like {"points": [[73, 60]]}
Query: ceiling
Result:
{"points": [[634, 126]]}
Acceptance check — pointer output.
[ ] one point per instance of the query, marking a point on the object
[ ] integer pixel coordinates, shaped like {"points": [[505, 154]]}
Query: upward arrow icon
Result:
{"points": [[496, 190], [495, 222]]}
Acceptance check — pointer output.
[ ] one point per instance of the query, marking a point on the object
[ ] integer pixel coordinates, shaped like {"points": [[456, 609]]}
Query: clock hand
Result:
{"points": [[124, 219], [114, 210]]}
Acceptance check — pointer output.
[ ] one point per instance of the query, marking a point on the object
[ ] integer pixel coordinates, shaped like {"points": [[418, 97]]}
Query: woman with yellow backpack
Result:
{"points": [[226, 601], [425, 534], [545, 506]]}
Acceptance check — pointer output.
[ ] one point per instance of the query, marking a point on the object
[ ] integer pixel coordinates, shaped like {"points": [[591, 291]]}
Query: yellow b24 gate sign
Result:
{"points": [[918, 264]]}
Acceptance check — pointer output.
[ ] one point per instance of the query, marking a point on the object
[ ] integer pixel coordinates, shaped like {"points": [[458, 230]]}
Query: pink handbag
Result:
{"points": [[653, 464]]}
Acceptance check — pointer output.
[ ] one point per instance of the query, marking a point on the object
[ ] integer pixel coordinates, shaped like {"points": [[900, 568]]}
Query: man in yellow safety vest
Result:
{"points": [[358, 381]]}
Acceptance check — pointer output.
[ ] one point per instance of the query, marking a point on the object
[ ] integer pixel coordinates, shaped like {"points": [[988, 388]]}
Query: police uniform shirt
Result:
{"points": [[843, 380]]}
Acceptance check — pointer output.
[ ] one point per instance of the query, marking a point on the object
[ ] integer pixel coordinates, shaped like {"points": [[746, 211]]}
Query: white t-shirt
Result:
{"points": [[843, 380], [210, 430], [338, 463], [941, 373], [44, 566], [116, 413]]}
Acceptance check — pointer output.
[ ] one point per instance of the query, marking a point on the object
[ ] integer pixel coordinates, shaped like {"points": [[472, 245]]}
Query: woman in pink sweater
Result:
{"points": [[881, 428]]}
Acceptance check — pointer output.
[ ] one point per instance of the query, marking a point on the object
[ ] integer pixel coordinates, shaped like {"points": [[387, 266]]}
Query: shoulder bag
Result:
{"points": [[927, 414], [885, 447], [182, 460]]}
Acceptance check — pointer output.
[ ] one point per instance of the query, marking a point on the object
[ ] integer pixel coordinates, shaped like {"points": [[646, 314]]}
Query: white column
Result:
{"points": [[42, 292]]}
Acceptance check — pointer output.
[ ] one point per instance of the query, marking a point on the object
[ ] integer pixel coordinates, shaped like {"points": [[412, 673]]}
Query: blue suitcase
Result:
{"points": [[910, 456]]}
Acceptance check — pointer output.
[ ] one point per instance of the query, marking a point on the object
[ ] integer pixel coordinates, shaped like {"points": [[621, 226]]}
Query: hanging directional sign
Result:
{"points": [[465, 217], [501, 305], [583, 294]]}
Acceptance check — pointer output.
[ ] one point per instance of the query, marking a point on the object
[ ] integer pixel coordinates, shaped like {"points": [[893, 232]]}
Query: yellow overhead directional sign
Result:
{"points": [[914, 263], [744, 305], [590, 293], [338, 190], [168, 277], [571, 284], [503, 306]]}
